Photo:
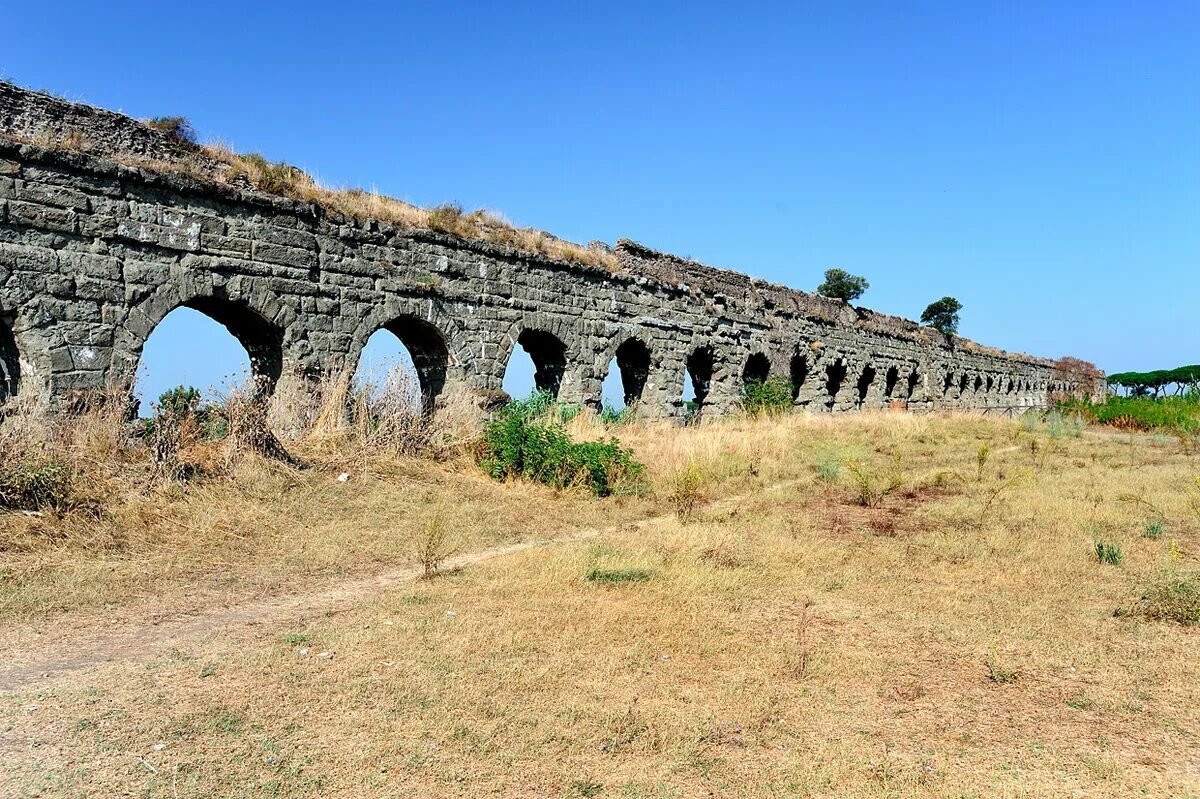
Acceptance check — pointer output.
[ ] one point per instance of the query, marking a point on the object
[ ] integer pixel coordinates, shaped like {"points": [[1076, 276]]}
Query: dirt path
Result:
{"points": [[76, 651]]}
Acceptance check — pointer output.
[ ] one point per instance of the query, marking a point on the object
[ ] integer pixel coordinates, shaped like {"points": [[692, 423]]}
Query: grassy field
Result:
{"points": [[1177, 415], [876, 605]]}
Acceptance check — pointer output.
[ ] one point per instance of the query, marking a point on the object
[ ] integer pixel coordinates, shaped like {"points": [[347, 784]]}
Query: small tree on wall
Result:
{"points": [[943, 315], [842, 285]]}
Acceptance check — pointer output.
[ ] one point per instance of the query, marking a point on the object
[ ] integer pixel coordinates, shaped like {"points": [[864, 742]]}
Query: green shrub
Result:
{"points": [[1153, 528], [770, 397], [613, 576], [1107, 552], [39, 482], [526, 439], [871, 490], [182, 409]]}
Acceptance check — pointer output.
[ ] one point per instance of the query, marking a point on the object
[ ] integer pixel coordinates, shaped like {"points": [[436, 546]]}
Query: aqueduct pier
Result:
{"points": [[99, 242]]}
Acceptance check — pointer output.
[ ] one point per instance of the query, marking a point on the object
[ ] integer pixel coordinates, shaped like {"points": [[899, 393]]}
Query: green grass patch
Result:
{"points": [[1174, 598], [614, 576], [1172, 414]]}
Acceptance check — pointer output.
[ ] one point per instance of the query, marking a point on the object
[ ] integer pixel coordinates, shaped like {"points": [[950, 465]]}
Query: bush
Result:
{"points": [[178, 128], [1109, 553], [871, 491], [40, 482], [527, 439], [448, 218], [1175, 598], [767, 397], [183, 407], [432, 547], [687, 490]]}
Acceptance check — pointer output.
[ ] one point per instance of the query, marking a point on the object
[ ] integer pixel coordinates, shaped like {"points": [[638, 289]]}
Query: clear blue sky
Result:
{"points": [[1039, 161]]}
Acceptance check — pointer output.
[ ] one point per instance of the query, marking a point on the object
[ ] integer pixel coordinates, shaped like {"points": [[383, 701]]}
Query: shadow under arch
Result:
{"points": [[428, 348], [798, 371], [700, 364], [633, 359], [835, 375], [10, 360], [757, 368], [865, 380]]}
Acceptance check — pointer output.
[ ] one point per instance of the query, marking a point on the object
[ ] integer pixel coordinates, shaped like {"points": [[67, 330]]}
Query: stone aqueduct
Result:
{"points": [[95, 250]]}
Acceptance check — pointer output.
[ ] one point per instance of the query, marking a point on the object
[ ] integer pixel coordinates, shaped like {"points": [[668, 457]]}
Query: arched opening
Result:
{"points": [[913, 379], [546, 358], [757, 369], [890, 379], [989, 384], [946, 383], [962, 383], [799, 373], [864, 382], [407, 356], [211, 344], [835, 375], [10, 362], [698, 379], [633, 363], [1011, 386], [978, 383]]}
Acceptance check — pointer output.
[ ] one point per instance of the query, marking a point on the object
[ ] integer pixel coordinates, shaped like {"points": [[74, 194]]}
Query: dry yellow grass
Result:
{"points": [[956, 640], [250, 170]]}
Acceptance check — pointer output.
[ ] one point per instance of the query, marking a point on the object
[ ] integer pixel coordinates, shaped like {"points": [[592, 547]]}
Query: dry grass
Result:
{"points": [[289, 181], [790, 643], [251, 170]]}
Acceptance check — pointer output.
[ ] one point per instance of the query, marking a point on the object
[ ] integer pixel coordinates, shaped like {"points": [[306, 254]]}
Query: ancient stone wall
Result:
{"points": [[95, 253]]}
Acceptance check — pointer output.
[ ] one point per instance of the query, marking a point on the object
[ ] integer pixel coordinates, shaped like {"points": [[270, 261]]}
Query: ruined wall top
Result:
{"points": [[51, 122]]}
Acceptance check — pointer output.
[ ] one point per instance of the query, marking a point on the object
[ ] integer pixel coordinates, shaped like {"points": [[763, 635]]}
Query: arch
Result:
{"points": [[427, 346], [549, 356], [914, 377], [990, 382], [799, 373], [633, 362], [700, 364], [258, 324], [261, 339], [757, 368], [864, 382], [890, 379], [962, 383], [978, 383], [10, 360], [947, 382], [835, 375]]}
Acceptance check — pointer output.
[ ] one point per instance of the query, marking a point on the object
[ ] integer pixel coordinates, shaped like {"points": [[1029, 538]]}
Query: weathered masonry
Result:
{"points": [[95, 250]]}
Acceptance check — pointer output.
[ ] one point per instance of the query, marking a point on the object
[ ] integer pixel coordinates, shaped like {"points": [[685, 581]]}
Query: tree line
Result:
{"points": [[1146, 383]]}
